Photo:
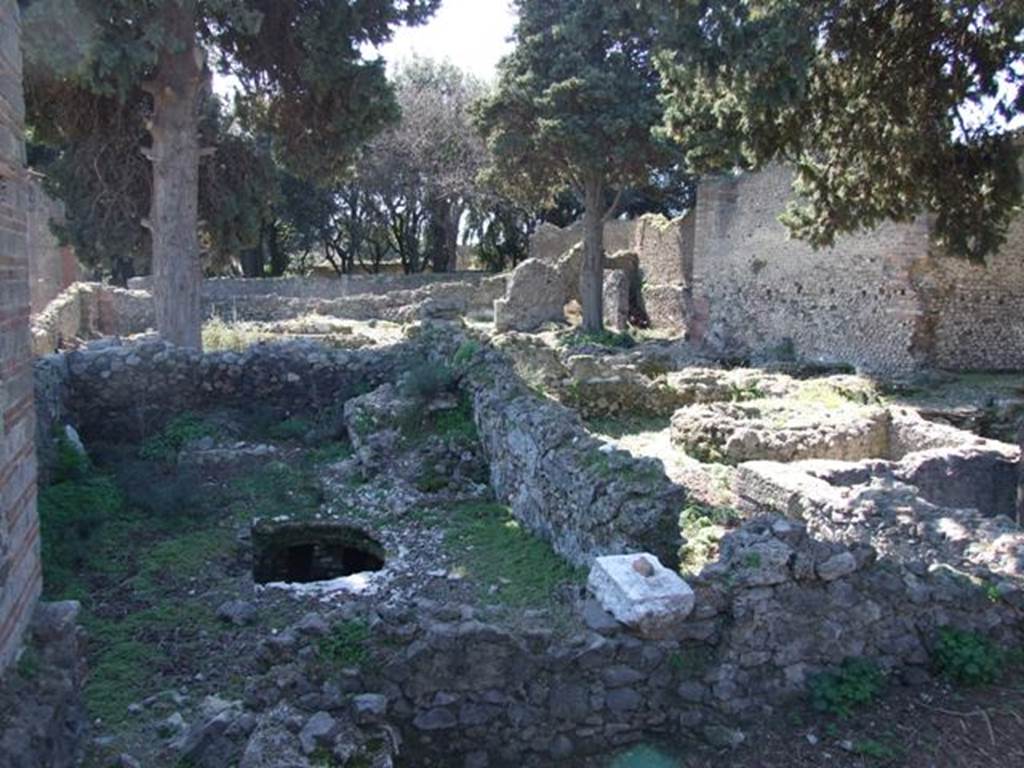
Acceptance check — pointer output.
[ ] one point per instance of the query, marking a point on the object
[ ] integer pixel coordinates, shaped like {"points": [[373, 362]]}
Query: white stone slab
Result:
{"points": [[641, 593]]}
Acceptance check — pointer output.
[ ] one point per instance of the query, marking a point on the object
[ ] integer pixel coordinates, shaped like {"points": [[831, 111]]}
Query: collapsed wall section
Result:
{"points": [[20, 572]]}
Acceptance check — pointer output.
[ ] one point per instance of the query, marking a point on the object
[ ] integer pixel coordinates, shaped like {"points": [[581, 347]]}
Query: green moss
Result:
{"points": [[511, 566]]}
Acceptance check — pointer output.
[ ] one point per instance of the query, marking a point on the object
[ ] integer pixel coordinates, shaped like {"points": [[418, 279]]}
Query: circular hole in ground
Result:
{"points": [[310, 551]]}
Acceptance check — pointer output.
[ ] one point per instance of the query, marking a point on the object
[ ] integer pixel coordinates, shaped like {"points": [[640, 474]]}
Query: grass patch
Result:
{"points": [[275, 489], [511, 566], [220, 336], [290, 430]]}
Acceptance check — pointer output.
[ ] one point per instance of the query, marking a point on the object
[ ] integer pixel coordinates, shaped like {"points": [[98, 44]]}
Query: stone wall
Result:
{"points": [[20, 572], [665, 251], [779, 606], [564, 484], [976, 311], [51, 266], [129, 391], [92, 310], [755, 289]]}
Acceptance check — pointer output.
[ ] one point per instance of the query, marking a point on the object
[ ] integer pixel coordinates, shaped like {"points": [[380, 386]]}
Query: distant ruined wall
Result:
{"points": [[51, 266], [755, 289], [20, 572], [886, 300], [665, 250]]}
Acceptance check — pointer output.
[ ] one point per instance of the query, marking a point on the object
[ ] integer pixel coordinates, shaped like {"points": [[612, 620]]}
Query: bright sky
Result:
{"points": [[472, 34]]}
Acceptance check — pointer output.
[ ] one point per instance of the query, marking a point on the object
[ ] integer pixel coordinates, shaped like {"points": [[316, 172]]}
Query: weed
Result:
{"points": [[428, 381], [29, 664], [181, 430], [347, 644], [331, 453], [431, 481], [608, 339], [702, 528], [968, 657], [291, 429], [877, 750], [465, 353], [511, 566], [854, 683]]}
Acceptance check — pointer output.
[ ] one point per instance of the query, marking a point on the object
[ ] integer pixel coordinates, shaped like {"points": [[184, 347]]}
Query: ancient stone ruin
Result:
{"points": [[421, 520]]}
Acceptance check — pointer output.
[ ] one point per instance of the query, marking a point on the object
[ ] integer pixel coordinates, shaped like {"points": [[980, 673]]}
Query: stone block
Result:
{"points": [[641, 593]]}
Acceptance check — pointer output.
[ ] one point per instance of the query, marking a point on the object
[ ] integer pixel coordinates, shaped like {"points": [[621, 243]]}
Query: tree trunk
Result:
{"points": [[174, 216], [592, 269], [451, 237]]}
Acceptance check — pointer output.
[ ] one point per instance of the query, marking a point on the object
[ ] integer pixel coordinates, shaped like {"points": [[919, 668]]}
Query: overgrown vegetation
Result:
{"points": [[702, 528], [183, 429], [512, 566], [605, 338], [853, 684], [347, 644], [968, 658]]}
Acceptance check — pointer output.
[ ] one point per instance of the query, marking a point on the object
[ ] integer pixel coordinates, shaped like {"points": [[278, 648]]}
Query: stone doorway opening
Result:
{"points": [[302, 552]]}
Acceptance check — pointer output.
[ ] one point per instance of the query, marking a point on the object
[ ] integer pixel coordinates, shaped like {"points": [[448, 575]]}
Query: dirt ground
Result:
{"points": [[936, 725]]}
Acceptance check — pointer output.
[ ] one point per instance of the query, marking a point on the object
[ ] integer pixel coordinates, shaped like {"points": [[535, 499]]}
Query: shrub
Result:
{"points": [[181, 430], [856, 682], [428, 381], [465, 353], [967, 657]]}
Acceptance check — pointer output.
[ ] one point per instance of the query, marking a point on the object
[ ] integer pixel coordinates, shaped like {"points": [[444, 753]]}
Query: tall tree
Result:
{"points": [[575, 105], [301, 58], [886, 109]]}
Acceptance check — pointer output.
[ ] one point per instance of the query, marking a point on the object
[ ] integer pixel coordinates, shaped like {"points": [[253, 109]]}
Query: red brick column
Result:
{"points": [[20, 574]]}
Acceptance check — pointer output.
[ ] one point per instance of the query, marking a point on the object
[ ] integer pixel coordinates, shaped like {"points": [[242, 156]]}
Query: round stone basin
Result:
{"points": [[301, 552]]}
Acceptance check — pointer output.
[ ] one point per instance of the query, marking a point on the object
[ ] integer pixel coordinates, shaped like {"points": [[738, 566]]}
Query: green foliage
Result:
{"points": [[511, 566], [347, 644], [886, 110], [29, 664], [455, 423], [181, 430], [291, 429], [607, 339], [854, 683], [968, 658], [427, 381], [876, 750], [465, 353], [702, 528]]}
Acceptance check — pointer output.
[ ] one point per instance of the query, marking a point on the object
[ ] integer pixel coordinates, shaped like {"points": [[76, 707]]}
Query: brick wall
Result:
{"points": [[20, 575]]}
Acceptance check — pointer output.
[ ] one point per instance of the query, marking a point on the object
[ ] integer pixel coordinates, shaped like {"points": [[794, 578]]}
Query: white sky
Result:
{"points": [[472, 34]]}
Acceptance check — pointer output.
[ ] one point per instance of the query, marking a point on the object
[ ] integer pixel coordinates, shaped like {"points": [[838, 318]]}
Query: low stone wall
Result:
{"points": [[128, 391], [778, 607], [52, 267], [575, 491], [93, 310]]}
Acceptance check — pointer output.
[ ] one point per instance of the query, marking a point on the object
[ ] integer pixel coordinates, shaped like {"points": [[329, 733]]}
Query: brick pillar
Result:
{"points": [[20, 574]]}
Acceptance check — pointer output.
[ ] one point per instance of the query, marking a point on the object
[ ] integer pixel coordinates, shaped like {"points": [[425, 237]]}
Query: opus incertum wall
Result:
{"points": [[20, 574]]}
